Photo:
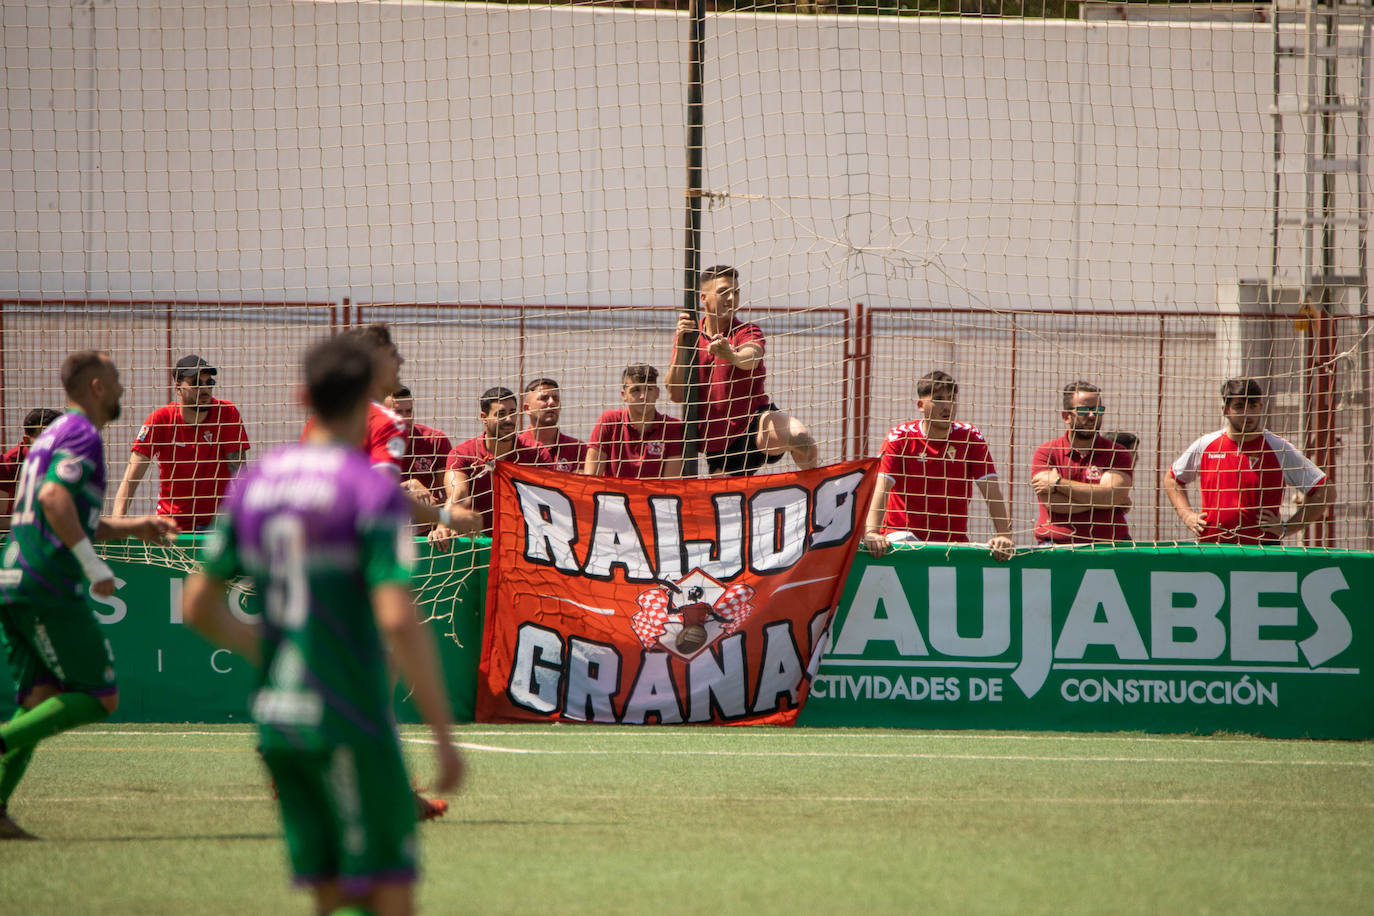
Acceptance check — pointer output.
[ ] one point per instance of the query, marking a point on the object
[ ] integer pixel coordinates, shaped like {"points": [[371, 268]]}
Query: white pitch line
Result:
{"points": [[841, 755]]}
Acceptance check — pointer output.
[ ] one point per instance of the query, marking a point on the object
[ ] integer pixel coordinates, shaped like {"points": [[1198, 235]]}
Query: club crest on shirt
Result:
{"points": [[69, 470], [1093, 474], [208, 436], [655, 449], [143, 433], [396, 447]]}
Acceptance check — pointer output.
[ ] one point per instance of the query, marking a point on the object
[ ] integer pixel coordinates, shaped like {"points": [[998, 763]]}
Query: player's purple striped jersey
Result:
{"points": [[36, 565], [316, 528]]}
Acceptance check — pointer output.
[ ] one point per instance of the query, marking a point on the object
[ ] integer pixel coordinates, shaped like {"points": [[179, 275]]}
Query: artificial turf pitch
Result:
{"points": [[178, 819]]}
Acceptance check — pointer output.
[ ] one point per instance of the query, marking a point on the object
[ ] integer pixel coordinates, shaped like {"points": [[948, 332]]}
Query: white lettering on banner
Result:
{"points": [[1166, 617], [880, 587], [1185, 620], [1099, 589], [914, 689], [1248, 615], [1133, 691], [118, 609], [583, 682], [214, 661], [944, 611], [784, 524]]}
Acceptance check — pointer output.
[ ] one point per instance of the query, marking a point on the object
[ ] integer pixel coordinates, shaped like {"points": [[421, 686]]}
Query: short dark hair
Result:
{"points": [[402, 392], [38, 419], [1240, 388], [338, 374], [542, 382], [639, 374], [78, 368], [494, 394], [715, 273], [1122, 438], [374, 336], [926, 385], [1073, 388]]}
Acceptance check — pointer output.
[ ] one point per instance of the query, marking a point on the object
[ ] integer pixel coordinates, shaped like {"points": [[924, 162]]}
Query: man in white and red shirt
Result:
{"points": [[198, 442], [1082, 479], [423, 467], [1243, 470], [741, 430], [467, 470], [926, 474], [542, 442], [636, 440]]}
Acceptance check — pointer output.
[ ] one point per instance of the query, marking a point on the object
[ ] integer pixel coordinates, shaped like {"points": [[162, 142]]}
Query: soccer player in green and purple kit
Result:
{"points": [[62, 665], [326, 538]]}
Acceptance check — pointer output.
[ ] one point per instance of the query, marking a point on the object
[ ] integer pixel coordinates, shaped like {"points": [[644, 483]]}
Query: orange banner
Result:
{"points": [[664, 602]]}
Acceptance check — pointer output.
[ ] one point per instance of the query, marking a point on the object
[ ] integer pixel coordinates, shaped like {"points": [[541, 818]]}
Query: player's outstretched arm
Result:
{"points": [[154, 529], [418, 661], [128, 486], [205, 608]]}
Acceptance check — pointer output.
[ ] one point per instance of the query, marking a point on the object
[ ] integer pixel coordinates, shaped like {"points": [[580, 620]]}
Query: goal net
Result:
{"points": [[1139, 197]]}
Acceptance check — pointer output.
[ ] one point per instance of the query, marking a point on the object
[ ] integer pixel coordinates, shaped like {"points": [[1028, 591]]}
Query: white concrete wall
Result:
{"points": [[459, 152]]}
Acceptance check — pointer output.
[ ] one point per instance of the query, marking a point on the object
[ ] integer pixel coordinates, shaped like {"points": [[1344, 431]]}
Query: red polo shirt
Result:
{"points": [[1104, 524], [425, 458], [632, 453], [566, 453]]}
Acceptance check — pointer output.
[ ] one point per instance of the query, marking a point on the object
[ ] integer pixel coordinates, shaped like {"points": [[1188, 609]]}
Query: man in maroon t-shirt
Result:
{"points": [[741, 429], [636, 440], [467, 470], [35, 421], [198, 442], [542, 443], [422, 469], [1082, 479]]}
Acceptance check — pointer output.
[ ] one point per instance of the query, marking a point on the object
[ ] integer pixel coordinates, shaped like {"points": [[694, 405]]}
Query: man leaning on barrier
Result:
{"points": [[1082, 480], [1242, 471]]}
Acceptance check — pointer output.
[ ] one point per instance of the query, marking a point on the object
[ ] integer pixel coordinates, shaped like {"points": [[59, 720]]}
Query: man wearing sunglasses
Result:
{"points": [[1243, 470], [1082, 480], [198, 441]]}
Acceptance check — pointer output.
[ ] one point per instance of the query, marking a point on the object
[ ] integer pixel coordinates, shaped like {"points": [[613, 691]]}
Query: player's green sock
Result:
{"points": [[55, 714], [352, 911], [12, 767]]}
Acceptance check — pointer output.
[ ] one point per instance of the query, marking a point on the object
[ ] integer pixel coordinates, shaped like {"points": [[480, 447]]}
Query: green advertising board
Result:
{"points": [[1188, 639], [168, 673]]}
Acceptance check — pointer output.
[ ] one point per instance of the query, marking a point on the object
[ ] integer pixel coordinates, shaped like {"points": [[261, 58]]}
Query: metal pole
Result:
{"points": [[686, 356]]}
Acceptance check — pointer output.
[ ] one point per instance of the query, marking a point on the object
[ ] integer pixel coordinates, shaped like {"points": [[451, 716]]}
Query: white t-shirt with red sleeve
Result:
{"points": [[192, 459], [932, 480], [1239, 479]]}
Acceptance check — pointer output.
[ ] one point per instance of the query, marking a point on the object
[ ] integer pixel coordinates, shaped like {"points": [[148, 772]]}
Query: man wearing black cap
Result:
{"points": [[1243, 470], [198, 442]]}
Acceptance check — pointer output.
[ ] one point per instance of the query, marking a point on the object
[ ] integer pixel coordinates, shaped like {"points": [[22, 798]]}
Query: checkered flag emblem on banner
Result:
{"points": [[735, 605], [648, 622]]}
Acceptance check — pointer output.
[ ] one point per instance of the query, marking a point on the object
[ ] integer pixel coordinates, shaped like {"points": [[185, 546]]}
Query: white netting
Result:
{"points": [[1019, 201]]}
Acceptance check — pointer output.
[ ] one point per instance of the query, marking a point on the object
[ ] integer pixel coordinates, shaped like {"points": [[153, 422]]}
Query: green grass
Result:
{"points": [[177, 819]]}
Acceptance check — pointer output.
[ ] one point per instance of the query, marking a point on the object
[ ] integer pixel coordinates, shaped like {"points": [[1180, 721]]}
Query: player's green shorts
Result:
{"points": [[348, 814], [58, 642]]}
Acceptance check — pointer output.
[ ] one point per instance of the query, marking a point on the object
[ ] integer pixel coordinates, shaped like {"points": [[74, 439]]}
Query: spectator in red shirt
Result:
{"points": [[741, 429], [422, 469], [926, 474], [199, 443], [1243, 470], [542, 442], [1082, 479], [467, 473], [35, 421], [636, 440]]}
